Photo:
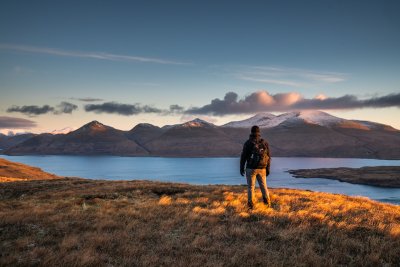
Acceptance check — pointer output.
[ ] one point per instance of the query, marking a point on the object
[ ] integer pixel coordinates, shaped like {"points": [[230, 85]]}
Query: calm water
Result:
{"points": [[210, 171]]}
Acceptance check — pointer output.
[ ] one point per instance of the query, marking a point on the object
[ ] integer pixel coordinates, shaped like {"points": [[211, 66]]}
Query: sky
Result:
{"points": [[66, 63]]}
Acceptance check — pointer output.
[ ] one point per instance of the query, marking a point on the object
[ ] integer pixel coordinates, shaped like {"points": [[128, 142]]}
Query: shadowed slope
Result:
{"points": [[195, 138], [10, 141]]}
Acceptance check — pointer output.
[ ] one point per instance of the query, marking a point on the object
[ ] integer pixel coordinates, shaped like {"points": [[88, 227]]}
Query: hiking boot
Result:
{"points": [[267, 202], [250, 205]]}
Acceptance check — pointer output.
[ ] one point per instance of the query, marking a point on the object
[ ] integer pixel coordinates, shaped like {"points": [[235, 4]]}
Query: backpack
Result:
{"points": [[258, 156]]}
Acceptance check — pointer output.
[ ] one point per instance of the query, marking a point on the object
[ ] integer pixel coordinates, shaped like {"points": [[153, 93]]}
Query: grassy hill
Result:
{"points": [[79, 222], [13, 171]]}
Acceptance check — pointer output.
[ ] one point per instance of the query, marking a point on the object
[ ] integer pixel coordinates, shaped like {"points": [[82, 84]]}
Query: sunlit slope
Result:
{"points": [[13, 171], [141, 223]]}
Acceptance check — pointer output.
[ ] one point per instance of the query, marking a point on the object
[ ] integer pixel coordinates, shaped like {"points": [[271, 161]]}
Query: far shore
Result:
{"points": [[382, 176]]}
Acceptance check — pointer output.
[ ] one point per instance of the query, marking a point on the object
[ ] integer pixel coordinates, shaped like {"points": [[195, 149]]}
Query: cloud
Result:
{"points": [[176, 109], [286, 76], [65, 107], [33, 110], [262, 101], [121, 109], [132, 109], [87, 99], [90, 55], [15, 123], [270, 81]]}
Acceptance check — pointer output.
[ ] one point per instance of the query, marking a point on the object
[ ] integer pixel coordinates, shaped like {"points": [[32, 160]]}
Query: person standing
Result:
{"points": [[255, 162]]}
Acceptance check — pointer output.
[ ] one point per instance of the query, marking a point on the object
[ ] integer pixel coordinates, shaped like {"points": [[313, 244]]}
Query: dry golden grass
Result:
{"points": [[13, 171], [78, 222]]}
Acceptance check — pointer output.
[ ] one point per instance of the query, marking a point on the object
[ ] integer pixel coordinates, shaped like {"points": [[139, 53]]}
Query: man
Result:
{"points": [[256, 157]]}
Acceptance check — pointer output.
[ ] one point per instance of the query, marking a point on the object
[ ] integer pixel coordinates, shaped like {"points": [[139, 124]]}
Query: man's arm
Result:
{"points": [[243, 158], [269, 158]]}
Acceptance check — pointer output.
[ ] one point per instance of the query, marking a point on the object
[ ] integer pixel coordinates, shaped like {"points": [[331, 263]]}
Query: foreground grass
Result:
{"points": [[78, 222]]}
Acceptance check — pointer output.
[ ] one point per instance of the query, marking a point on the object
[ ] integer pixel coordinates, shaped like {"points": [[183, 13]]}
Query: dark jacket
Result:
{"points": [[247, 149]]}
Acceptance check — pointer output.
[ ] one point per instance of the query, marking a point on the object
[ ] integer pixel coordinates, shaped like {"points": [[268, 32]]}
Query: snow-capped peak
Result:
{"points": [[261, 119], [319, 117], [266, 120], [196, 123], [63, 130]]}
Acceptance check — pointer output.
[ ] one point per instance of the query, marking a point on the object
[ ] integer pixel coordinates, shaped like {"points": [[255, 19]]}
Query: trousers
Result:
{"points": [[261, 176]]}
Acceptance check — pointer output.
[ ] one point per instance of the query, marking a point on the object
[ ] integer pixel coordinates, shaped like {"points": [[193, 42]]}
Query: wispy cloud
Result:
{"points": [[16, 123], [90, 55], [269, 81], [286, 76], [87, 99], [262, 101]]}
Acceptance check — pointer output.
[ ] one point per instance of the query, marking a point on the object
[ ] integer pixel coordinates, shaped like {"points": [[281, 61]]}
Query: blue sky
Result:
{"points": [[161, 53]]}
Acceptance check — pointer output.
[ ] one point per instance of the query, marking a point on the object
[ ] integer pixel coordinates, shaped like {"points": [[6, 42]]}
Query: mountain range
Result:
{"points": [[294, 134]]}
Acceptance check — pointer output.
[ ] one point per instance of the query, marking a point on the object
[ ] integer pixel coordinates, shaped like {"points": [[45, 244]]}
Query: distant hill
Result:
{"points": [[7, 141], [194, 138], [293, 134], [93, 138]]}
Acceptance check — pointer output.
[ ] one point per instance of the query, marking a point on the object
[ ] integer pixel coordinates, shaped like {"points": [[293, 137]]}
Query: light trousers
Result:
{"points": [[261, 176]]}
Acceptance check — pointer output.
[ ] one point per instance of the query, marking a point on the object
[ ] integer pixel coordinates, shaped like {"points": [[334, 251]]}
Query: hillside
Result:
{"points": [[72, 222], [293, 134], [12, 171]]}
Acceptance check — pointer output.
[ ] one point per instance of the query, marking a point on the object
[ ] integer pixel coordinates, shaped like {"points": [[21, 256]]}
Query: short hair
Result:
{"points": [[255, 129]]}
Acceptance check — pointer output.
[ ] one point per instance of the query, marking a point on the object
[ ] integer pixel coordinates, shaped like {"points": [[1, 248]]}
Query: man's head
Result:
{"points": [[255, 129]]}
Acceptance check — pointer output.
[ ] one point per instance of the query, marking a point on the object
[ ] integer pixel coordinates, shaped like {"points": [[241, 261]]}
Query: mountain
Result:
{"points": [[267, 120], [193, 138], [143, 133], [93, 138], [7, 141], [293, 134]]}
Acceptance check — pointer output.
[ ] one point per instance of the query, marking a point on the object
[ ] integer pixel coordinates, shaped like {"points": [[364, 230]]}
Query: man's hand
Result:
{"points": [[242, 172]]}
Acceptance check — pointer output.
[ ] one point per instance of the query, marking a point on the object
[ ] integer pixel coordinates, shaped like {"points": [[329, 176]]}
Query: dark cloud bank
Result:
{"points": [[33, 110], [15, 123], [262, 101], [130, 109]]}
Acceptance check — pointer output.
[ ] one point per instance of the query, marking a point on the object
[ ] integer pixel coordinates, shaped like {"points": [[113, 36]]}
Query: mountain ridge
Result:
{"points": [[293, 134]]}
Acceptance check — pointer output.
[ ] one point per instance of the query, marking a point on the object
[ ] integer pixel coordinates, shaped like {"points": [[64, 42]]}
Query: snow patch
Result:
{"points": [[267, 120]]}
